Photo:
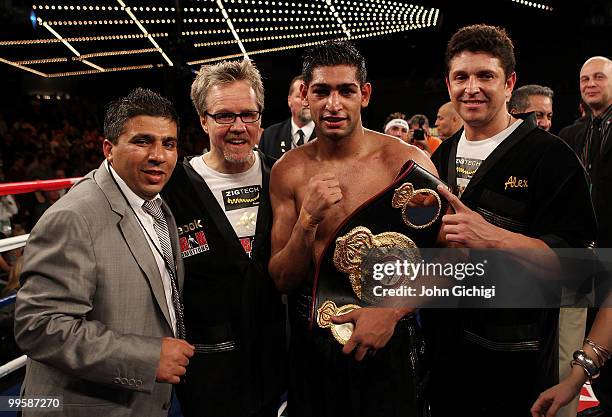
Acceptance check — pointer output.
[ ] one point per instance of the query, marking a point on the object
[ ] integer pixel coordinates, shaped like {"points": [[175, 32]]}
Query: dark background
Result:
{"points": [[406, 69]]}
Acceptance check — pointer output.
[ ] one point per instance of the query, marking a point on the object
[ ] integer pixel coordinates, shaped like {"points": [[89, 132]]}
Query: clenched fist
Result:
{"points": [[322, 192], [173, 361]]}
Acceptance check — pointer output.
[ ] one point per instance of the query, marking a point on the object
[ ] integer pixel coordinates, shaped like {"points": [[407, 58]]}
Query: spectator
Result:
{"points": [[576, 129], [44, 200], [448, 122], [533, 98], [593, 144], [420, 136], [296, 131], [396, 125], [8, 347], [41, 169], [8, 209]]}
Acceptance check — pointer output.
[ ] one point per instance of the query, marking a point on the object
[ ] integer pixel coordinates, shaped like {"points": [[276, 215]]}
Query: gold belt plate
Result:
{"points": [[341, 332], [352, 246]]}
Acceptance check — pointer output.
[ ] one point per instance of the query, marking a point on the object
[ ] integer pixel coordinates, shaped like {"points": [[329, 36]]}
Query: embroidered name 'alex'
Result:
{"points": [[514, 182]]}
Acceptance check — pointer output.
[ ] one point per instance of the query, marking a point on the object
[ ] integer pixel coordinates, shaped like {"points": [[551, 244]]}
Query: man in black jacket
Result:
{"points": [[593, 144], [293, 132], [234, 316], [519, 188]]}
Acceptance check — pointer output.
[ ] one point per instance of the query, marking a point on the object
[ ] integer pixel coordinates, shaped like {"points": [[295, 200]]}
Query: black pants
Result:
{"points": [[324, 382], [484, 383], [602, 386]]}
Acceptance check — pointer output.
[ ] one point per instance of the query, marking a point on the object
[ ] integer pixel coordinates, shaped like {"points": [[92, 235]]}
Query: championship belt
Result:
{"points": [[405, 215]]}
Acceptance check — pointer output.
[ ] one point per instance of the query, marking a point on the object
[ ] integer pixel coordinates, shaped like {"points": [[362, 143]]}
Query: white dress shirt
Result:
{"points": [[146, 223], [307, 129]]}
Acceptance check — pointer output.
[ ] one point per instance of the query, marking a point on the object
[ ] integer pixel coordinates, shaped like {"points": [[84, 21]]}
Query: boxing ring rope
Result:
{"points": [[13, 365], [11, 243], [25, 187], [38, 185], [16, 242]]}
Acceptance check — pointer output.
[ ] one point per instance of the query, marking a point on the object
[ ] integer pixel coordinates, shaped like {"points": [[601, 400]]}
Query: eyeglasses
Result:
{"points": [[229, 118]]}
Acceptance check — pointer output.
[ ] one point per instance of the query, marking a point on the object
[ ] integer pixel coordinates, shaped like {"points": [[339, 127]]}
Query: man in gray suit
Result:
{"points": [[99, 311]]}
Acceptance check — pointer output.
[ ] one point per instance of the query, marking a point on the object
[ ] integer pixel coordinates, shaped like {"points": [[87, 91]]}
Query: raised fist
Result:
{"points": [[322, 192]]}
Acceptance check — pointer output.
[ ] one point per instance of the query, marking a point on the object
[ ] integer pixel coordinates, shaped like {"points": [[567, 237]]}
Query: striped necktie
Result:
{"points": [[161, 228]]}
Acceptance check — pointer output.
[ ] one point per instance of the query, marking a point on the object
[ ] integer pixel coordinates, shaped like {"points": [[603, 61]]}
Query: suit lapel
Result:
{"points": [[451, 175], [135, 238], [264, 213], [605, 133], [285, 139]]}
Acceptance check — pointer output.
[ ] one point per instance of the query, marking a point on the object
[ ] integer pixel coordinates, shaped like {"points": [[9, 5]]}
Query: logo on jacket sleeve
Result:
{"points": [[192, 238]]}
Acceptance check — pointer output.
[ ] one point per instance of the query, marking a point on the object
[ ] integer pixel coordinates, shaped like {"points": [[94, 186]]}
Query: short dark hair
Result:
{"points": [[139, 102], [331, 54], [520, 97], [296, 78], [483, 38], [418, 119]]}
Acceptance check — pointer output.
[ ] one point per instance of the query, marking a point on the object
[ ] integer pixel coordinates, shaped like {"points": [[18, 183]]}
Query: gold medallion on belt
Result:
{"points": [[419, 209]]}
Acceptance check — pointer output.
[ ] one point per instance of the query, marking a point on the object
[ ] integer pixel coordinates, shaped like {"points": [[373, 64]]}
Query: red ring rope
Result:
{"points": [[39, 185]]}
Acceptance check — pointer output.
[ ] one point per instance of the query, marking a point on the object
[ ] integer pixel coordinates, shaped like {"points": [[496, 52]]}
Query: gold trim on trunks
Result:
{"points": [[341, 332], [405, 198], [351, 247]]}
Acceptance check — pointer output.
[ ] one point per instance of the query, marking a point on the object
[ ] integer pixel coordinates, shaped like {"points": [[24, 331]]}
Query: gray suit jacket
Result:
{"points": [[91, 312]]}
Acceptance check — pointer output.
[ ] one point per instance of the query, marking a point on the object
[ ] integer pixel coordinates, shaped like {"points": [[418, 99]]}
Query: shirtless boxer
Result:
{"points": [[313, 189]]}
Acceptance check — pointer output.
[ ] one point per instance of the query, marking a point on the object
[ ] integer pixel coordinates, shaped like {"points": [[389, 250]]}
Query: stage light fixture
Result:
{"points": [[535, 5], [41, 61], [145, 32], [112, 69], [23, 67], [307, 19]]}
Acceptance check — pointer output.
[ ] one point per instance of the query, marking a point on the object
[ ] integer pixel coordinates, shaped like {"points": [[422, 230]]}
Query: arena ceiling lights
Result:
{"points": [[91, 37], [535, 4]]}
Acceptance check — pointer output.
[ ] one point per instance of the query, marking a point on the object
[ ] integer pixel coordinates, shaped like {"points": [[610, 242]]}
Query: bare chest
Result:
{"points": [[359, 182]]}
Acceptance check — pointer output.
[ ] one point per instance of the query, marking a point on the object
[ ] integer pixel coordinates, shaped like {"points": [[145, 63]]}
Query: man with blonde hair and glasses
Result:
{"points": [[220, 200]]}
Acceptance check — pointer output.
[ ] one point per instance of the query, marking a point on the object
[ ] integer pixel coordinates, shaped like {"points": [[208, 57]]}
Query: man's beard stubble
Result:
{"points": [[237, 158], [305, 116]]}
